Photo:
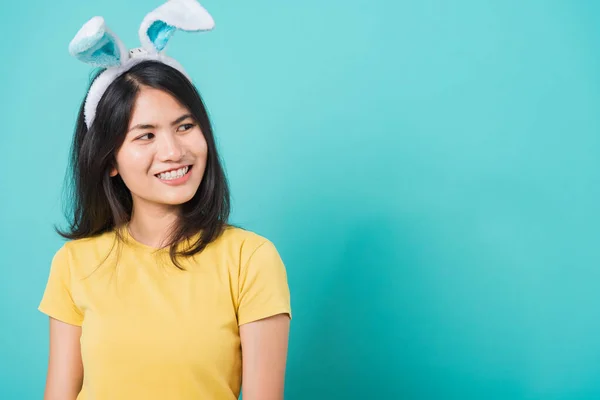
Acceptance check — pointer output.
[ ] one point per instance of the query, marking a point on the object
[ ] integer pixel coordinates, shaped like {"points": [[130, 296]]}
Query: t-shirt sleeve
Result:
{"points": [[263, 285], [57, 301]]}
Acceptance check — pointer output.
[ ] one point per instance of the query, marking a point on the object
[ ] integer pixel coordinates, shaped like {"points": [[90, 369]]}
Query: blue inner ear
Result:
{"points": [[159, 33], [104, 52]]}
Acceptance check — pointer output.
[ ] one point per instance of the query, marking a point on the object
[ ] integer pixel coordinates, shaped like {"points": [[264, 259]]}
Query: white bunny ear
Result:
{"points": [[95, 44], [159, 25]]}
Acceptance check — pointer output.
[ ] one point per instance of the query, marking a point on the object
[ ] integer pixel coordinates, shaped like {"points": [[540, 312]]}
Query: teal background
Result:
{"points": [[428, 170]]}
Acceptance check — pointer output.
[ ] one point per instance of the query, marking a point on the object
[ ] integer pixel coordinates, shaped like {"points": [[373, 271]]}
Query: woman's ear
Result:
{"points": [[113, 172]]}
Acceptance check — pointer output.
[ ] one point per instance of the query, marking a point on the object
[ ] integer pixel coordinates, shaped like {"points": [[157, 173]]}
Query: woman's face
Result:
{"points": [[163, 157]]}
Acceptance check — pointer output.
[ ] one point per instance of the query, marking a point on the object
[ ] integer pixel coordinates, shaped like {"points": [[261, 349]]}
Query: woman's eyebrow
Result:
{"points": [[149, 126]]}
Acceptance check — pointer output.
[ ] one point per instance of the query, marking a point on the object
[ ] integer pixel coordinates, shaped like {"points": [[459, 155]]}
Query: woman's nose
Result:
{"points": [[169, 148]]}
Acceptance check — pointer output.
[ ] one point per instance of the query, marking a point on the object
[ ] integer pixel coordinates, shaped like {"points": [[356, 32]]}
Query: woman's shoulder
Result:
{"points": [[79, 255], [99, 240], [244, 244], [241, 238], [250, 251], [98, 245]]}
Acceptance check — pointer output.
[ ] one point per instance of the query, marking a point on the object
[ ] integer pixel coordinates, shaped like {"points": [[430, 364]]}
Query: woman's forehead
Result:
{"points": [[156, 107]]}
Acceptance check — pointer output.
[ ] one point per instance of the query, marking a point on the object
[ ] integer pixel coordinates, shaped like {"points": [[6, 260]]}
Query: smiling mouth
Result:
{"points": [[175, 174]]}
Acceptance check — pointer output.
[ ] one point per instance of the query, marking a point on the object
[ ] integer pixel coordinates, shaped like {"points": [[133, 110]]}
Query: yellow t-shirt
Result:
{"points": [[151, 331]]}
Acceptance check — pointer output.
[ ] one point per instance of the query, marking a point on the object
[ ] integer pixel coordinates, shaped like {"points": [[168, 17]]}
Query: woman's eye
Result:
{"points": [[186, 127], [147, 136]]}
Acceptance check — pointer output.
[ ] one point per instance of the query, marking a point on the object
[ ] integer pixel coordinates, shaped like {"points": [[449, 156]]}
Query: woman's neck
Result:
{"points": [[152, 225]]}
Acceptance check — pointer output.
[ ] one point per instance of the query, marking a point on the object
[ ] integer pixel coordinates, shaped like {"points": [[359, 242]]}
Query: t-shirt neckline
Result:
{"points": [[130, 240]]}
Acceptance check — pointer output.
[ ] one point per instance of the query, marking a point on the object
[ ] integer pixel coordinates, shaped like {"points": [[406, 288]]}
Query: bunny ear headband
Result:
{"points": [[96, 45]]}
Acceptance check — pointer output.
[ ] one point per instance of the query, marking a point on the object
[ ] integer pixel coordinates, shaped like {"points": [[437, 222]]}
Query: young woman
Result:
{"points": [[155, 295]]}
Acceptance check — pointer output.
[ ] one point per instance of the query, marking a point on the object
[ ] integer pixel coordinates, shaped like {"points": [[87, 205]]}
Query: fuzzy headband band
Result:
{"points": [[96, 45]]}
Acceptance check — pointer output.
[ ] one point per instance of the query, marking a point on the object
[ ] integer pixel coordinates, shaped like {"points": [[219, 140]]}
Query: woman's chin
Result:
{"points": [[176, 198]]}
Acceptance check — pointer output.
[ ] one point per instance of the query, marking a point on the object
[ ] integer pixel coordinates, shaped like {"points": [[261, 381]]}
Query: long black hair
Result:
{"points": [[100, 203]]}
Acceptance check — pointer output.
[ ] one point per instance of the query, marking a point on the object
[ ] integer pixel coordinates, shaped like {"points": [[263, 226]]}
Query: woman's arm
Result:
{"points": [[65, 370], [264, 355]]}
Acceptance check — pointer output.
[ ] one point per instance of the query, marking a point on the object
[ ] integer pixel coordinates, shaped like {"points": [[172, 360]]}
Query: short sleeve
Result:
{"points": [[57, 301], [263, 286]]}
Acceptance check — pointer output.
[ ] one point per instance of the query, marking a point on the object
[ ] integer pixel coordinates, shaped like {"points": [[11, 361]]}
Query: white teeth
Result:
{"points": [[167, 176]]}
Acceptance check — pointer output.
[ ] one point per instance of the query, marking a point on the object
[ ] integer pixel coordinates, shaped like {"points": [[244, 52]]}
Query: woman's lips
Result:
{"points": [[177, 181]]}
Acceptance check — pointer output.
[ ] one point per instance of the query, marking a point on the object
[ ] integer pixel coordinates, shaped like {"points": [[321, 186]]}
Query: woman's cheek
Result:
{"points": [[135, 159]]}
